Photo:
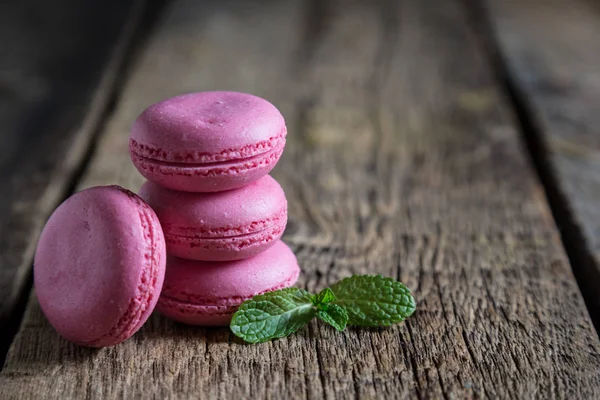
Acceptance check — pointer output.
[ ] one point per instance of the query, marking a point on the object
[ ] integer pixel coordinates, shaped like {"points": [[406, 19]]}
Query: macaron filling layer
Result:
{"points": [[203, 232], [198, 157], [228, 167], [134, 316], [227, 247], [187, 303]]}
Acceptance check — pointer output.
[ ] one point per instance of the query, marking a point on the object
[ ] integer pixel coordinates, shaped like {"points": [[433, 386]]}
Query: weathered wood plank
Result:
{"points": [[552, 53], [55, 84], [403, 160]]}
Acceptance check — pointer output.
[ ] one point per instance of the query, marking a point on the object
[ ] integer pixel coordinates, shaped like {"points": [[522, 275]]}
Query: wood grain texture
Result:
{"points": [[57, 72], [402, 160], [552, 53]]}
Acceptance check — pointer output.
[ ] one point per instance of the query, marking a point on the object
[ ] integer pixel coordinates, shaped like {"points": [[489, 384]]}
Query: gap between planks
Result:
{"points": [[581, 257]]}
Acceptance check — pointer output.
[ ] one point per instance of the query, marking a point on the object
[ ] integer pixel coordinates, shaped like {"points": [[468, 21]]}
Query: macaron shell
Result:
{"points": [[196, 291], [207, 142], [99, 266], [207, 127], [219, 315], [220, 226]]}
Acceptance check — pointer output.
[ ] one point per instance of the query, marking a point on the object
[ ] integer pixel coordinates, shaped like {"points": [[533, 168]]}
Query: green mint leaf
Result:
{"points": [[324, 297], [272, 315], [372, 300], [334, 315]]}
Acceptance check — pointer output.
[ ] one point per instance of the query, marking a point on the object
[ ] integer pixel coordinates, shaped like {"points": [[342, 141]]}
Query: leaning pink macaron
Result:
{"points": [[221, 226], [207, 142], [99, 266], [208, 293]]}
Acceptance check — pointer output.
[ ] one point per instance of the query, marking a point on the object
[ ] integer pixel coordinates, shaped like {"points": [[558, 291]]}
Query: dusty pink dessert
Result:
{"points": [[99, 266], [207, 142], [208, 293], [222, 226]]}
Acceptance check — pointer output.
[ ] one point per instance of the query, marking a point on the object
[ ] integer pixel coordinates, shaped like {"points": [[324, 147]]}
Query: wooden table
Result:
{"points": [[451, 144]]}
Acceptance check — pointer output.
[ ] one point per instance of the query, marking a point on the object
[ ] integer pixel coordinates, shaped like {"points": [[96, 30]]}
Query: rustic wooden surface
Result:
{"points": [[55, 84], [403, 159], [552, 51]]}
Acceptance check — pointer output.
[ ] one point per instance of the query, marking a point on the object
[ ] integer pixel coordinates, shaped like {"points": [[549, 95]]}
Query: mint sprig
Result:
{"points": [[372, 300], [272, 315], [324, 297], [335, 316], [363, 300]]}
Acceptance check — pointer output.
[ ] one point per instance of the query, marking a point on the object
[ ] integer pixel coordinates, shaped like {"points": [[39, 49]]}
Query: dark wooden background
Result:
{"points": [[54, 56], [452, 144]]}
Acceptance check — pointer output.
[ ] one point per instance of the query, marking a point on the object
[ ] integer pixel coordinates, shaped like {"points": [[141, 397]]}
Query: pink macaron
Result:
{"points": [[207, 142], [221, 226], [208, 293], [99, 266]]}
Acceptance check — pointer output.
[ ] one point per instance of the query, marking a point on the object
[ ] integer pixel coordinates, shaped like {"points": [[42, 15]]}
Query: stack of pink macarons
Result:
{"points": [[206, 157], [209, 228]]}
